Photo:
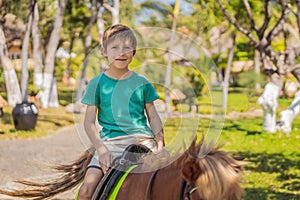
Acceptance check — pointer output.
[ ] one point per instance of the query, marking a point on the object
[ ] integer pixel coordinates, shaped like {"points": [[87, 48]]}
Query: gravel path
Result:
{"points": [[24, 159]]}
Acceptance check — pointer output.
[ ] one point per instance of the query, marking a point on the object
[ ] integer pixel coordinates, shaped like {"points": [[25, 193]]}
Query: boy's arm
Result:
{"points": [[155, 124], [93, 134]]}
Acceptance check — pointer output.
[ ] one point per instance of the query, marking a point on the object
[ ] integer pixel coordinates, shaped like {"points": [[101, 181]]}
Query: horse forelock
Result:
{"points": [[220, 172]]}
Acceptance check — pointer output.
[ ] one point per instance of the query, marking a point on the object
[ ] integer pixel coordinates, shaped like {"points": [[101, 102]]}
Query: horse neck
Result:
{"points": [[167, 182]]}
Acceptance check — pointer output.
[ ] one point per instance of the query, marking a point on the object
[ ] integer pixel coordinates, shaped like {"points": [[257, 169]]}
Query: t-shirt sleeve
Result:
{"points": [[91, 93], [150, 93]]}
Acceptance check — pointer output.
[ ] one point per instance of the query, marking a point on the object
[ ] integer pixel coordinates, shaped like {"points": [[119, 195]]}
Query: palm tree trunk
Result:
{"points": [[24, 58], [48, 83], [100, 24], [87, 45], [11, 80], [115, 11], [169, 64], [227, 76], [257, 71], [37, 53]]}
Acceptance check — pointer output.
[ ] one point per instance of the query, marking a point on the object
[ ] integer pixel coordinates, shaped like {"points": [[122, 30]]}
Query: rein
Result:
{"points": [[185, 190], [150, 183]]}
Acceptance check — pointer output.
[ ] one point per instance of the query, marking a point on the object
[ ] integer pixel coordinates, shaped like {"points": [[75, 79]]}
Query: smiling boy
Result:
{"points": [[118, 98]]}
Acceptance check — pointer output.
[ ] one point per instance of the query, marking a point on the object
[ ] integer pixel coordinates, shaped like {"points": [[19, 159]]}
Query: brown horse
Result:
{"points": [[215, 176]]}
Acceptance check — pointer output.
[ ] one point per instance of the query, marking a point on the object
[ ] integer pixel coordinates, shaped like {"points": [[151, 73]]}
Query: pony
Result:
{"points": [[216, 175]]}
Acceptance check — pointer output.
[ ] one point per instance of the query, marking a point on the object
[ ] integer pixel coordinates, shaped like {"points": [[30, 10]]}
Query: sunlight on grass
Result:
{"points": [[273, 169], [49, 121]]}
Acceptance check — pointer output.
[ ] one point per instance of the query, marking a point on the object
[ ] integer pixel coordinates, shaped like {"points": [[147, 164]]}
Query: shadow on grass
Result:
{"points": [[7, 118], [234, 126], [66, 97], [272, 162], [285, 166], [267, 193], [57, 121]]}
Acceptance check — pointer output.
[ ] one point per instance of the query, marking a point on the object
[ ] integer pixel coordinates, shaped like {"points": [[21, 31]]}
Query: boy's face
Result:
{"points": [[119, 53]]}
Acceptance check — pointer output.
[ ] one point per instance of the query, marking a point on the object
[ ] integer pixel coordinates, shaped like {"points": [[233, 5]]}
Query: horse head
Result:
{"points": [[214, 176]]}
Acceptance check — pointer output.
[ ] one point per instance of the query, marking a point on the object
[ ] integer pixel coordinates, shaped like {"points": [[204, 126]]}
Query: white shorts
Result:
{"points": [[117, 146]]}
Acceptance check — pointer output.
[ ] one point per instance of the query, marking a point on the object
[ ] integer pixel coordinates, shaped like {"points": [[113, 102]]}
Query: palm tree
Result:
{"points": [[169, 65], [48, 94], [11, 80]]}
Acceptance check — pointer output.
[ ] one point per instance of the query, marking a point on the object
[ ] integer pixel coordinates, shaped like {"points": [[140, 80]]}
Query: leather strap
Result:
{"points": [[150, 182]]}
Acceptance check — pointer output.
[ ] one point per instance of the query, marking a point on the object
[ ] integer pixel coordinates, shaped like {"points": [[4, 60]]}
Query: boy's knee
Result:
{"points": [[85, 193]]}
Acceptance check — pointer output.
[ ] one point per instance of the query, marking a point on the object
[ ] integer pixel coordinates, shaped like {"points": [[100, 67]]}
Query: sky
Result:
{"points": [[185, 9]]}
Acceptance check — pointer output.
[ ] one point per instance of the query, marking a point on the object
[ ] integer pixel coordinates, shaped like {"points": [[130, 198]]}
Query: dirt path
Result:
{"points": [[22, 159]]}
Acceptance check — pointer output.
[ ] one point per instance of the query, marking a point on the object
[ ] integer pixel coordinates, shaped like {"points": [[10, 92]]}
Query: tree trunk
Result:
{"points": [[11, 80], [268, 100], [37, 52], [50, 59], [87, 45], [287, 116], [24, 58], [53, 100], [257, 71], [69, 69], [298, 15], [227, 76], [100, 24], [296, 73], [169, 64], [101, 29], [115, 11]]}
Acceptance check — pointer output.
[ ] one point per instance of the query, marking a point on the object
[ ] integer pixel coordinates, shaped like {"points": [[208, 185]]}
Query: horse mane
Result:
{"points": [[215, 172], [218, 169], [153, 161], [72, 175]]}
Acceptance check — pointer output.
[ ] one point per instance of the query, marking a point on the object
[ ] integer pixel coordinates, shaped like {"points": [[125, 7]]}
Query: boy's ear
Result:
{"points": [[103, 52]]}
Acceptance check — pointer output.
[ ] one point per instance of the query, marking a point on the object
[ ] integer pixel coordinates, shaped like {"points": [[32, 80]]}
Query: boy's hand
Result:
{"points": [[105, 158], [160, 148], [162, 151]]}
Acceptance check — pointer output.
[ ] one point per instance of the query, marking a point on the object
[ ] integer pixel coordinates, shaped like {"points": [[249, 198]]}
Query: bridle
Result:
{"points": [[185, 189]]}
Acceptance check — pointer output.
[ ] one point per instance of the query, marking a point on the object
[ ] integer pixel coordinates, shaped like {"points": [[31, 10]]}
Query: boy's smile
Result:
{"points": [[121, 59], [119, 53]]}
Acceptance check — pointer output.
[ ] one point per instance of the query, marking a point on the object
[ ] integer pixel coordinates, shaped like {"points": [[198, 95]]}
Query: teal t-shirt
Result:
{"points": [[121, 104]]}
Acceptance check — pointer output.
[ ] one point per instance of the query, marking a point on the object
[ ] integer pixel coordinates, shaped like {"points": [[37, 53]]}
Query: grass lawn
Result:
{"points": [[273, 170]]}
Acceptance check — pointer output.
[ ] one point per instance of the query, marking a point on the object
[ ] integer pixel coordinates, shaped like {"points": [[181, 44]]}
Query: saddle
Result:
{"points": [[120, 166]]}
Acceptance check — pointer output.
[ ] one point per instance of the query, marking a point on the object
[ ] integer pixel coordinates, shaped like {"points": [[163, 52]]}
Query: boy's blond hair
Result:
{"points": [[119, 31]]}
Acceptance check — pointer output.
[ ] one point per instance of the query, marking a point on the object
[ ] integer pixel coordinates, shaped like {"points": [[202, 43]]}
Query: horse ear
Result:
{"points": [[191, 171]]}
